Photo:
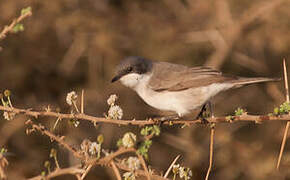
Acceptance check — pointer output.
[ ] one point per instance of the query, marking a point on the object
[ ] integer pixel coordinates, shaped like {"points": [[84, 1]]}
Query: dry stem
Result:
{"points": [[170, 167], [116, 170], [211, 152], [144, 166], [58, 139], [3, 164], [288, 123], [86, 172]]}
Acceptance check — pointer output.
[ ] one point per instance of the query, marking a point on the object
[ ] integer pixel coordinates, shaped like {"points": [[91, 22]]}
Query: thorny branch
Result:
{"points": [[109, 159], [245, 117], [58, 139], [60, 172], [105, 161]]}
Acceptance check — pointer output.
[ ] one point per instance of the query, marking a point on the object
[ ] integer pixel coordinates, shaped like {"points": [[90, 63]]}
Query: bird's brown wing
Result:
{"points": [[173, 77]]}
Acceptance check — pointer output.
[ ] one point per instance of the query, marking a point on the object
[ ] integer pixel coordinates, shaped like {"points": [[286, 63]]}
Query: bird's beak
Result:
{"points": [[116, 78]]}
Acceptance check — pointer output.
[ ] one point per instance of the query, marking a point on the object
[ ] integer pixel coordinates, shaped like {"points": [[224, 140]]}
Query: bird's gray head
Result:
{"points": [[133, 67]]}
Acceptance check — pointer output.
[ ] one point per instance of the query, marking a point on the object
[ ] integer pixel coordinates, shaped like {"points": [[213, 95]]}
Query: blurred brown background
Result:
{"points": [[75, 44]]}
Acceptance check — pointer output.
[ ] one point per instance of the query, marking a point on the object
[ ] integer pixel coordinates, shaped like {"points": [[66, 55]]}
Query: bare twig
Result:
{"points": [[286, 80], [283, 144], [59, 172], [211, 151], [82, 102], [288, 123], [3, 164], [86, 171], [107, 159], [144, 166], [170, 167], [78, 176], [116, 171], [58, 139]]}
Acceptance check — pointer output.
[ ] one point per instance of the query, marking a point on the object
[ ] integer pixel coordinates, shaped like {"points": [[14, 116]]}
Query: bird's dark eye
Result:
{"points": [[129, 69]]}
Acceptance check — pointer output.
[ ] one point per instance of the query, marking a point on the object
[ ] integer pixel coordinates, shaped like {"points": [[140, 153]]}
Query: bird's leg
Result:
{"points": [[202, 114], [203, 109], [210, 107]]}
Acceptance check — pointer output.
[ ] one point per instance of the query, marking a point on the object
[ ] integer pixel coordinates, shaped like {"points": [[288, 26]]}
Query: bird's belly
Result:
{"points": [[181, 102], [163, 101]]}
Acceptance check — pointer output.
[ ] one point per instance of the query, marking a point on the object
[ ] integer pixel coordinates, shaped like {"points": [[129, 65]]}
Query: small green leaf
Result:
{"points": [[152, 130], [43, 173], [144, 131], [3, 150], [276, 111], [283, 109], [239, 112], [119, 143], [147, 143], [144, 148], [18, 28], [228, 118], [25, 10], [146, 156], [156, 130]]}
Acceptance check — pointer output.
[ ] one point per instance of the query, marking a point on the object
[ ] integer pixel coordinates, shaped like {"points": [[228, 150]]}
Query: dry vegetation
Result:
{"points": [[60, 46]]}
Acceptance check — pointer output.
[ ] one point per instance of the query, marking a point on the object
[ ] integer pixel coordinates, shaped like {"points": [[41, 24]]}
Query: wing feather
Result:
{"points": [[178, 77]]}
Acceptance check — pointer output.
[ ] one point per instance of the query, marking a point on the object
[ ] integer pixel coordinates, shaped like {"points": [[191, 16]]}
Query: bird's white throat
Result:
{"points": [[134, 80]]}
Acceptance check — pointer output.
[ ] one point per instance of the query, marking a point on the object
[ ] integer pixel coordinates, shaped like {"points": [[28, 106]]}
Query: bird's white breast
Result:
{"points": [[132, 80]]}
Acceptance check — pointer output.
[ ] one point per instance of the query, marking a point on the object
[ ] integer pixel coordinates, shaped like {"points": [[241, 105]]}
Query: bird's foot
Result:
{"points": [[204, 121], [203, 117]]}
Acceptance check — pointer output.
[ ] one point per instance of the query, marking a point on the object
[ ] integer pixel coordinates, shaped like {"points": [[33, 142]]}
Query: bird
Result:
{"points": [[174, 87]]}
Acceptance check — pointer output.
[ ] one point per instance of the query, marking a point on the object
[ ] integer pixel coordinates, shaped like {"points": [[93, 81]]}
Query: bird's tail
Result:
{"points": [[246, 81]]}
